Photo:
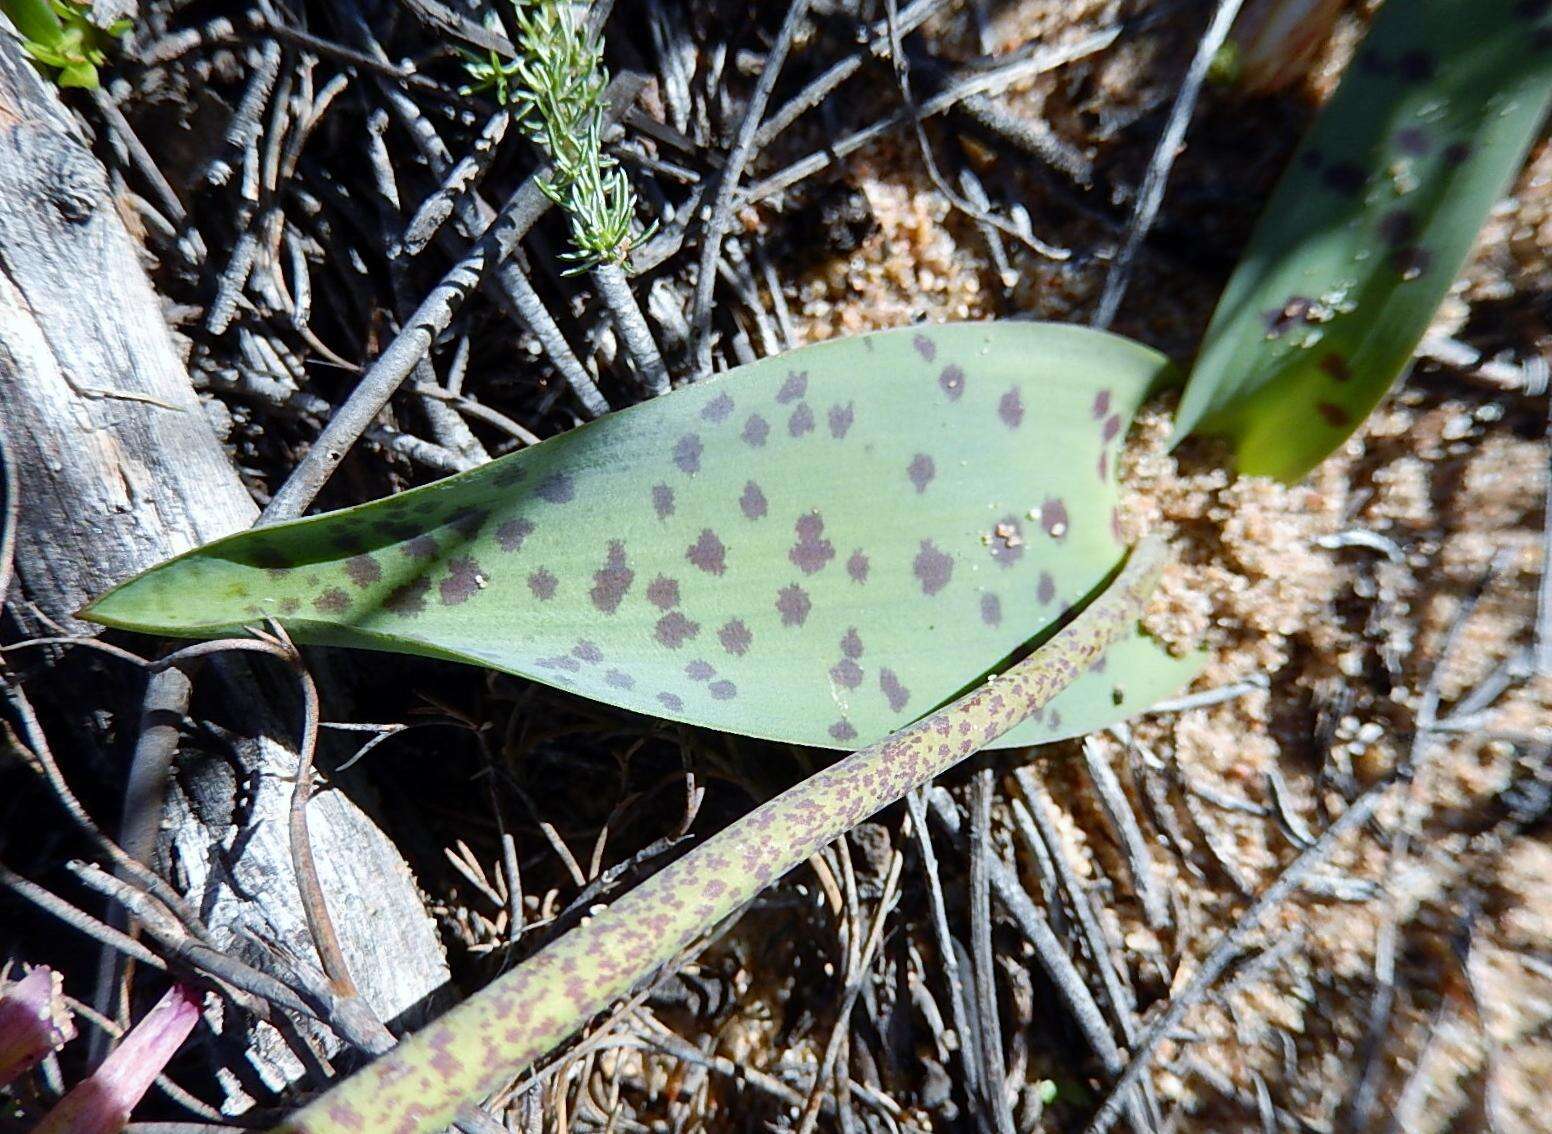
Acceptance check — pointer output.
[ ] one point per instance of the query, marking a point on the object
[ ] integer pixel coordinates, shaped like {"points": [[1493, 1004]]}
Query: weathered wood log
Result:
{"points": [[119, 468]]}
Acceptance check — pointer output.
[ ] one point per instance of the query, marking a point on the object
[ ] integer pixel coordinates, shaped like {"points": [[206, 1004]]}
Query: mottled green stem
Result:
{"points": [[497, 1033]]}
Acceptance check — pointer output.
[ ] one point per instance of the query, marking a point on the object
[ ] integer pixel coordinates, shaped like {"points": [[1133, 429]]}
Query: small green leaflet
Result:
{"points": [[815, 548], [1369, 227]]}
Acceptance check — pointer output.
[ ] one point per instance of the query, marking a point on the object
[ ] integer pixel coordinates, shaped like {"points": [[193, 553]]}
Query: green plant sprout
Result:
{"points": [[60, 35], [829, 545], [556, 86]]}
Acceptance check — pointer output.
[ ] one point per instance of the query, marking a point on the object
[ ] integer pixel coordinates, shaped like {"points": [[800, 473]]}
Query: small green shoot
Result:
{"points": [[556, 86], [60, 35], [1369, 227]]}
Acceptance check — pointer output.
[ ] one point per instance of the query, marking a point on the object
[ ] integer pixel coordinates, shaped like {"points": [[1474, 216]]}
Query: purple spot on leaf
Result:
{"points": [[670, 702], [722, 690], [557, 488], [708, 553], [793, 388], [718, 410], [756, 429], [846, 673], [801, 421], [735, 637], [467, 522], [896, 694], [1336, 366], [793, 604], [542, 584], [272, 558], [1101, 404], [421, 547], [752, 502], [332, 601], [345, 540], [925, 347], [674, 630], [462, 582], [363, 570], [619, 680], [811, 553], [1397, 227], [1411, 262], [921, 470], [700, 670], [1111, 428], [1413, 141], [991, 609], [408, 600], [1344, 177], [687, 453], [851, 643], [662, 501], [510, 534], [588, 652], [663, 592], [612, 580], [842, 730], [1280, 320], [841, 418], [1333, 415], [952, 382], [1010, 408], [1053, 518], [1415, 66], [1047, 589], [932, 568], [857, 567]]}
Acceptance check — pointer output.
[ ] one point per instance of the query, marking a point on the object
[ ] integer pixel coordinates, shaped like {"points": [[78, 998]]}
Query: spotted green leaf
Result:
{"points": [[1369, 226], [816, 548]]}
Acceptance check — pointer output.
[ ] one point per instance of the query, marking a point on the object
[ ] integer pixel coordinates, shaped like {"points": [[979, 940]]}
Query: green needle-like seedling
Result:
{"points": [[816, 548], [499, 1031], [1369, 227]]}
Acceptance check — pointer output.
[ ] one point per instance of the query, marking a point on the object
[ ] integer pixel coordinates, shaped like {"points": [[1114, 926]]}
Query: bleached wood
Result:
{"points": [[119, 468]]}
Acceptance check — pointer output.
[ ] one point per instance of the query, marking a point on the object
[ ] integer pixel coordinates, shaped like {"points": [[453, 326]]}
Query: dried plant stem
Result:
{"points": [[615, 290], [1229, 946], [1151, 195], [497, 1033]]}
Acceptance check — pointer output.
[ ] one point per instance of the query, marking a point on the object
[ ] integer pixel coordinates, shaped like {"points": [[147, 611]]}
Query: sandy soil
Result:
{"points": [[1342, 593]]}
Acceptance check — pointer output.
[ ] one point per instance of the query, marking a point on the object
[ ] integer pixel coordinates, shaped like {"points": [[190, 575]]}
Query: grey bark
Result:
{"points": [[119, 468]]}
